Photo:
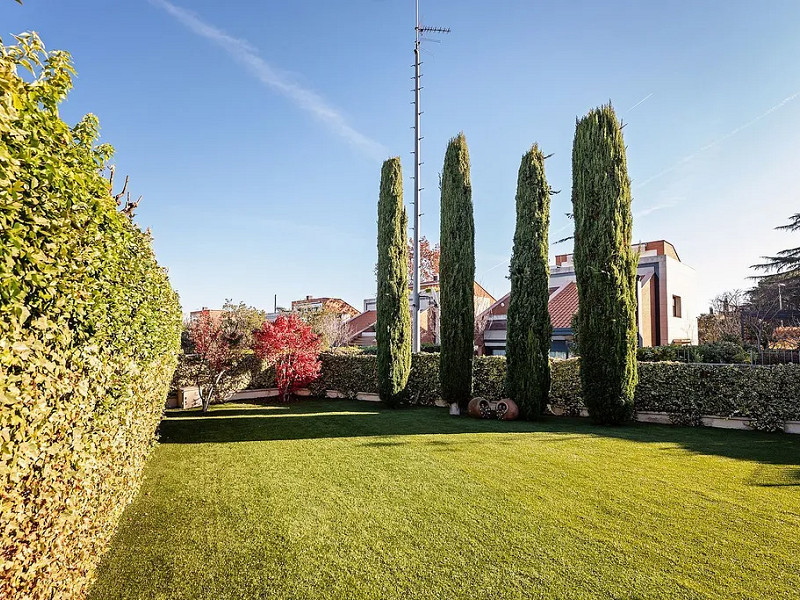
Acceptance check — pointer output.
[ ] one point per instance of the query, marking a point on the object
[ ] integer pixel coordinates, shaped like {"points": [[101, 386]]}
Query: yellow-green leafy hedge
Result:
{"points": [[88, 338]]}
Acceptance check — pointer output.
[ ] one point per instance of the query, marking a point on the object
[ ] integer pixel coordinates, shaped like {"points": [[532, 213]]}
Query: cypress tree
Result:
{"points": [[529, 329], [457, 276], [605, 267], [393, 327]]}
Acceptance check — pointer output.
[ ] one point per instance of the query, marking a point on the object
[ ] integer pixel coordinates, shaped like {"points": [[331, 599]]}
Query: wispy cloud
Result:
{"points": [[651, 209], [642, 101], [247, 55], [500, 264], [719, 140]]}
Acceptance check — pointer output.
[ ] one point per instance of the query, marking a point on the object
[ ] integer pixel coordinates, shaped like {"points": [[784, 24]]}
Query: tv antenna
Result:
{"points": [[420, 31]]}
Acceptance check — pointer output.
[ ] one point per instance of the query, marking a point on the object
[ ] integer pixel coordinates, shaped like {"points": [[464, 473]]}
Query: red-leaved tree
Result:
{"points": [[215, 357], [293, 348], [428, 259]]}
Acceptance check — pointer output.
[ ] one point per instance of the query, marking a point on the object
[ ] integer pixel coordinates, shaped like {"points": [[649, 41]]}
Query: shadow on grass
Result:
{"points": [[313, 419]]}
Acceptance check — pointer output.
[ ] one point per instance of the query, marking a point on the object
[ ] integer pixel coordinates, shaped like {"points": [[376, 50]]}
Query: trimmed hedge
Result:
{"points": [[565, 386], [88, 339], [768, 395], [353, 373]]}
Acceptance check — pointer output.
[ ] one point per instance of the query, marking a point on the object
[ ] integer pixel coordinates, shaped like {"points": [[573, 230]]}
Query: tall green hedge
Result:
{"points": [[457, 275], [529, 329], [393, 327], [88, 338], [605, 266]]}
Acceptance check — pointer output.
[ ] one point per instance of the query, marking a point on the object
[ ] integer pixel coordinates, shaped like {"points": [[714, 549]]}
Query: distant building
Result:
{"points": [[214, 314], [428, 315], [665, 293], [332, 305]]}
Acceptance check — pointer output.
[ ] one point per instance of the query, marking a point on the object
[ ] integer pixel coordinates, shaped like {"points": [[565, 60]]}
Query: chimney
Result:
{"points": [[308, 297]]}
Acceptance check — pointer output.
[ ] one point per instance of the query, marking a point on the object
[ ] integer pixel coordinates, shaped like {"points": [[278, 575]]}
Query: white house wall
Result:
{"points": [[681, 281]]}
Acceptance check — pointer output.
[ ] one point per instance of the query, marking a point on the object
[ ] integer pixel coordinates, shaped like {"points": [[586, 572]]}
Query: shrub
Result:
{"points": [[659, 353], [457, 268], [393, 326], [723, 352], [529, 328], [605, 266], [713, 352], [213, 360], [292, 348], [88, 339]]}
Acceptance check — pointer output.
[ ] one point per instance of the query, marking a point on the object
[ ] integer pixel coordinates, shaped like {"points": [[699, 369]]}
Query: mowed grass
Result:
{"points": [[351, 500]]}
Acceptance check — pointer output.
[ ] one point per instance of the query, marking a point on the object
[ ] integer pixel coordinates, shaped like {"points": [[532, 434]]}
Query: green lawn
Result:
{"points": [[350, 500]]}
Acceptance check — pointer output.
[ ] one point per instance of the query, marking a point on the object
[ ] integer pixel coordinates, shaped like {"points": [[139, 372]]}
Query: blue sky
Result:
{"points": [[256, 130]]}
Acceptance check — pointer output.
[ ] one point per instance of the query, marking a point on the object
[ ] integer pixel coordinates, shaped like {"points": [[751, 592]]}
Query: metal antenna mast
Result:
{"points": [[419, 30]]}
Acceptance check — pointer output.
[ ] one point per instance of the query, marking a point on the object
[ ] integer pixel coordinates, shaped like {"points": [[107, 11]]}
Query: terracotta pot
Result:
{"points": [[478, 407], [507, 409]]}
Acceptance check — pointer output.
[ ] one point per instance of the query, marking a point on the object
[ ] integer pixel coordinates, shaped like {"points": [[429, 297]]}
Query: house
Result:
{"points": [[665, 292], [361, 330], [428, 315], [332, 305]]}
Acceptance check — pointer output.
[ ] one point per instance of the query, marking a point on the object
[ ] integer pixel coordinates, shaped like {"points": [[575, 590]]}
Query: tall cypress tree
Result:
{"points": [[605, 267], [393, 327], [529, 329], [457, 276]]}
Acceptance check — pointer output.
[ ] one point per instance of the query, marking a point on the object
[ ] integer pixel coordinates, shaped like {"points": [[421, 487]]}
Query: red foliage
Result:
{"points": [[428, 259], [290, 345], [209, 342]]}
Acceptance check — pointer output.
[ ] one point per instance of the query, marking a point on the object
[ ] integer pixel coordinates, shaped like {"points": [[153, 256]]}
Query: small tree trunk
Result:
{"points": [[205, 399], [285, 387]]}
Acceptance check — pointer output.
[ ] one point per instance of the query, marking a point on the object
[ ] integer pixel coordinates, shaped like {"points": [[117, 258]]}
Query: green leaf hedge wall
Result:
{"points": [[88, 339]]}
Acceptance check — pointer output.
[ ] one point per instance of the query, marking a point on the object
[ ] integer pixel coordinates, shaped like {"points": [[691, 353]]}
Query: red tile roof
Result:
{"points": [[361, 323], [367, 320], [563, 305], [500, 307]]}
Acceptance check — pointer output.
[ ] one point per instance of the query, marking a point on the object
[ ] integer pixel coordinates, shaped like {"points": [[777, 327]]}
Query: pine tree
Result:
{"points": [[393, 327], [529, 329], [605, 267], [457, 275], [785, 265]]}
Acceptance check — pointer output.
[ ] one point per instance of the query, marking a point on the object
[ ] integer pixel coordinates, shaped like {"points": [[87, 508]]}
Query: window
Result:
{"points": [[676, 306]]}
